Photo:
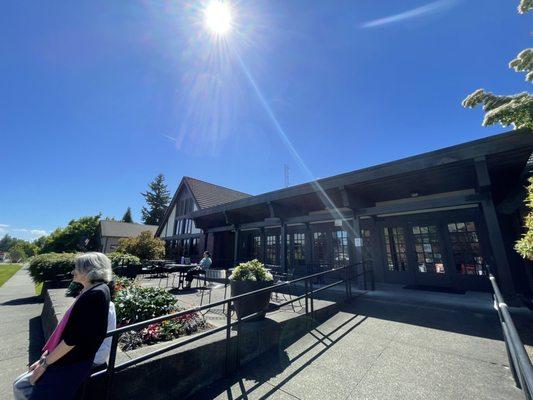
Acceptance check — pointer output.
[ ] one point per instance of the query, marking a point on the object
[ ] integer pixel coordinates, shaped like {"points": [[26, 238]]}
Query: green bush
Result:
{"points": [[123, 259], [51, 266], [134, 304], [145, 246], [251, 271]]}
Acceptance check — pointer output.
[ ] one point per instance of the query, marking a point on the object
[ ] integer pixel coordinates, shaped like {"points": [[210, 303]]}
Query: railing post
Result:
{"points": [[347, 281], [237, 353], [228, 337], [505, 340], [111, 366], [349, 271], [363, 267], [312, 300]]}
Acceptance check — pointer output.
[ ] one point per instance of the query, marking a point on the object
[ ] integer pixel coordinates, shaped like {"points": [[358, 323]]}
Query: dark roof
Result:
{"points": [[520, 140], [205, 194], [210, 195], [124, 229]]}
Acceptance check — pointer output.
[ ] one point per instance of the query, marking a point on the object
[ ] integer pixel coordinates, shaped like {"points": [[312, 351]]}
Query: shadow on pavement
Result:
{"points": [[22, 301], [272, 364], [36, 339], [464, 322]]}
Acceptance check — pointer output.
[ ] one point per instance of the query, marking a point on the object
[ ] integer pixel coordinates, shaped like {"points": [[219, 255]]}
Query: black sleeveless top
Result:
{"points": [[87, 326]]}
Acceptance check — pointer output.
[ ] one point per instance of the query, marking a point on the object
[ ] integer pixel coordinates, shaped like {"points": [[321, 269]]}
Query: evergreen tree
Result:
{"points": [[516, 110], [157, 199], [127, 216]]}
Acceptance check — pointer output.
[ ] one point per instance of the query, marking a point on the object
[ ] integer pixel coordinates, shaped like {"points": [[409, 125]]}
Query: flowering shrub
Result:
{"points": [[163, 331], [135, 303], [251, 271]]}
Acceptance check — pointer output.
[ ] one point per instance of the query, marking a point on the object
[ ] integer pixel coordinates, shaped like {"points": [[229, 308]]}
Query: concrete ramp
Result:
{"points": [[375, 349]]}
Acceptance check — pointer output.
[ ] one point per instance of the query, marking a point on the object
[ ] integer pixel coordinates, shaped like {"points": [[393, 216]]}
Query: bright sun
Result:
{"points": [[218, 17]]}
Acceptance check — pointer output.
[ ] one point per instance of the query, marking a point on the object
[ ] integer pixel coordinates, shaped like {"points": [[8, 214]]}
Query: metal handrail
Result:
{"points": [[519, 361], [309, 301]]}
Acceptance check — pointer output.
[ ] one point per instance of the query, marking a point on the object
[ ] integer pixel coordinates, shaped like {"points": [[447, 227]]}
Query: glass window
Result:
{"points": [[320, 246], [340, 247], [288, 251], [271, 249], [256, 247], [299, 247], [428, 249], [366, 250], [395, 248], [466, 248]]}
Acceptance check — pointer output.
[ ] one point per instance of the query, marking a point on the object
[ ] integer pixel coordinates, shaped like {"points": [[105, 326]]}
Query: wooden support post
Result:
{"points": [[356, 245], [377, 250], [503, 268], [283, 247], [236, 247], [263, 245]]}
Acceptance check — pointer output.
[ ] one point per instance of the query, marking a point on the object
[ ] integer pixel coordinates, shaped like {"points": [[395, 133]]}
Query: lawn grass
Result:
{"points": [[7, 271], [38, 288]]}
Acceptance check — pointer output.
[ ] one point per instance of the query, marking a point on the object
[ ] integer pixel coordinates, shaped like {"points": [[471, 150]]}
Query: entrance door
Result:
{"points": [[428, 260], [396, 264]]}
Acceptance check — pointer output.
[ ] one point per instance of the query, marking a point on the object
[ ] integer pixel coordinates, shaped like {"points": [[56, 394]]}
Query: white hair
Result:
{"points": [[96, 266]]}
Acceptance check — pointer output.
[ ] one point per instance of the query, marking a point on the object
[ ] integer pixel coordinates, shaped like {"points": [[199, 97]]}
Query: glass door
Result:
{"points": [[395, 255], [430, 266]]}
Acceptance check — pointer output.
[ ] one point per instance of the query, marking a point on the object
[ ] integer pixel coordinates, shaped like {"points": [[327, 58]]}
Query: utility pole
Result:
{"points": [[286, 171]]}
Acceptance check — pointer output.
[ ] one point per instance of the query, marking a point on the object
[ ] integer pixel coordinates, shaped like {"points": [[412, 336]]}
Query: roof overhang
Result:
{"points": [[504, 152]]}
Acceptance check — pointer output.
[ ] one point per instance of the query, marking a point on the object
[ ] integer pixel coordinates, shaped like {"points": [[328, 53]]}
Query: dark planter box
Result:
{"points": [[251, 304], [128, 271]]}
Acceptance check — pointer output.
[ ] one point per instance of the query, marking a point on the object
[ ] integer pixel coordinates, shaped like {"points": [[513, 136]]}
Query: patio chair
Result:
{"points": [[280, 276], [214, 279]]}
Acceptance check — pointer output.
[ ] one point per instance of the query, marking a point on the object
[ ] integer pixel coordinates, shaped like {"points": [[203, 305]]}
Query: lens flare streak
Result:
{"points": [[328, 203]]}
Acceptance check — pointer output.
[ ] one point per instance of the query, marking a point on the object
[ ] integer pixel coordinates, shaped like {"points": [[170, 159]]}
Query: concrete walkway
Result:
{"points": [[375, 349], [20, 328]]}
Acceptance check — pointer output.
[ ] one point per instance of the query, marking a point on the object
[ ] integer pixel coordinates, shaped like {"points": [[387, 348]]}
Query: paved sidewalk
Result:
{"points": [[20, 328], [374, 349]]}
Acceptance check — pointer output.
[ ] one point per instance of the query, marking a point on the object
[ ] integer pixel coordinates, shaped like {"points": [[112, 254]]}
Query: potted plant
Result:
{"points": [[124, 264], [248, 277]]}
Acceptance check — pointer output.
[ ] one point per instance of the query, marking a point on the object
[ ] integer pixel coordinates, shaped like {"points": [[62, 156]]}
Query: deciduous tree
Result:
{"points": [[515, 110]]}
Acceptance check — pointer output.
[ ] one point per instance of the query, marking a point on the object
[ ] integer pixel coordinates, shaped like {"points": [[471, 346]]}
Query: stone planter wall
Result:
{"points": [[183, 371]]}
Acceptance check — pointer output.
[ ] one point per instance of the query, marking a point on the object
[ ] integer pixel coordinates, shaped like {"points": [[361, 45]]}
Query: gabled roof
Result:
{"points": [[205, 194], [124, 229], [210, 195]]}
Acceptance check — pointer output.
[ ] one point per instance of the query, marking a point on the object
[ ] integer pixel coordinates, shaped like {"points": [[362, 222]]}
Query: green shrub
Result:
{"points": [[51, 266], [251, 271], [145, 246], [136, 304], [123, 259]]}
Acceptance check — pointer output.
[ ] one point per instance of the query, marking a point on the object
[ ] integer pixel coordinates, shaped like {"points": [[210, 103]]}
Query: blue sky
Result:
{"points": [[99, 97]]}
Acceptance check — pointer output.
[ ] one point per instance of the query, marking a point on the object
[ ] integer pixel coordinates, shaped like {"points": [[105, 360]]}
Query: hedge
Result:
{"points": [[51, 266]]}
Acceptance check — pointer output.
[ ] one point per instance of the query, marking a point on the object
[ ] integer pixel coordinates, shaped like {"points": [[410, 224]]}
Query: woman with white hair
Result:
{"points": [[69, 352]]}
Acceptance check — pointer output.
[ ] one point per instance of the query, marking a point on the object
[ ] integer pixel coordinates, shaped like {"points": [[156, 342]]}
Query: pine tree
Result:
{"points": [[127, 216], [157, 199]]}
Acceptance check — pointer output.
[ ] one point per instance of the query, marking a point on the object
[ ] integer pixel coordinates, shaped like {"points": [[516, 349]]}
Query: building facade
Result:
{"points": [[110, 232], [182, 237], [436, 219]]}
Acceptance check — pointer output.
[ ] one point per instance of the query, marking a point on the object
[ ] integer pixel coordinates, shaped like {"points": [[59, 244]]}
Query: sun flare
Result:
{"points": [[218, 17]]}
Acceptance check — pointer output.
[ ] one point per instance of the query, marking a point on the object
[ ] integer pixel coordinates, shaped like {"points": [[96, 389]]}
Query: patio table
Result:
{"points": [[181, 270]]}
